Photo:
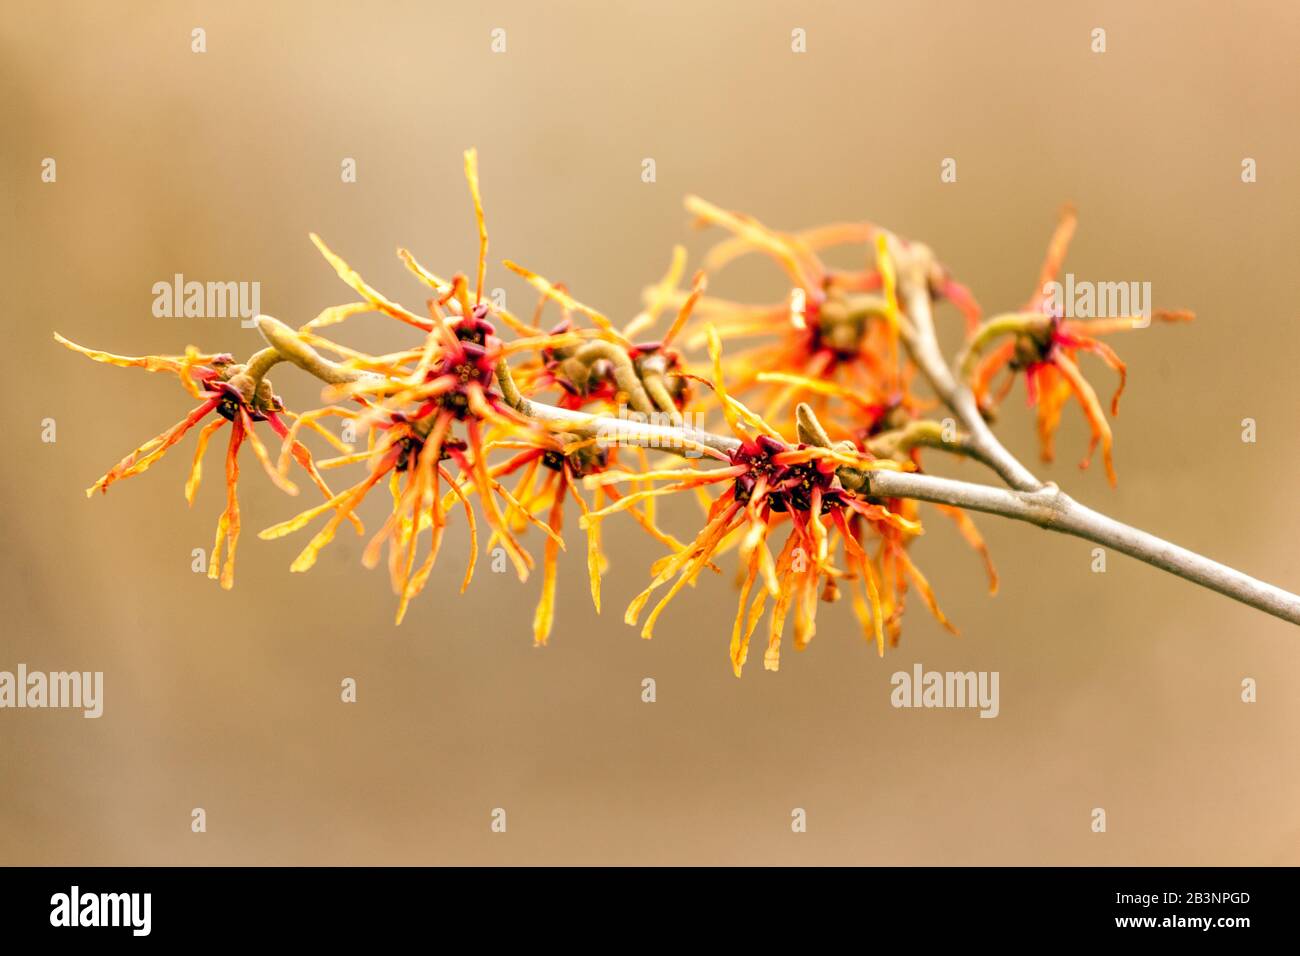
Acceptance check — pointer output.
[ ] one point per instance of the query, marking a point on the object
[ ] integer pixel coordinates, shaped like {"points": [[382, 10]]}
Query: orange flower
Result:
{"points": [[1045, 345], [767, 481], [836, 335], [788, 249], [209, 378], [601, 370], [605, 366], [550, 468], [417, 403], [416, 398]]}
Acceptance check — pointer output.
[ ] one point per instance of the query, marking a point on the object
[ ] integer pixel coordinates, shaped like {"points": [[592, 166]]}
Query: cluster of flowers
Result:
{"points": [[451, 418]]}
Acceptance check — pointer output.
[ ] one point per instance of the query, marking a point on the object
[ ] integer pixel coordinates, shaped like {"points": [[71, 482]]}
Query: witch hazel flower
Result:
{"points": [[607, 367], [416, 400], [1043, 344], [836, 337], [765, 482], [227, 392]]}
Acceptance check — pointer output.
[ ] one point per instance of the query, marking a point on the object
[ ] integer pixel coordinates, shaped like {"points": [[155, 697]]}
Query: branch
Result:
{"points": [[1050, 508], [1039, 504], [923, 345], [926, 434], [1031, 500], [1045, 506]]}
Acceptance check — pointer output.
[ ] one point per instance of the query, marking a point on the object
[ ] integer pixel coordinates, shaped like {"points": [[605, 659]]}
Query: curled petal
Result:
{"points": [[358, 284], [1092, 411], [196, 469], [228, 524], [151, 451]]}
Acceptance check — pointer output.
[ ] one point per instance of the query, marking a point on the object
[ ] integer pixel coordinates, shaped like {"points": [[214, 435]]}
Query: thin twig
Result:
{"points": [[923, 346], [1049, 507]]}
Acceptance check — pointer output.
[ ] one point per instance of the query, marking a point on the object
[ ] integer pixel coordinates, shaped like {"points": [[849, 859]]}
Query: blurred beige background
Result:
{"points": [[1118, 690]]}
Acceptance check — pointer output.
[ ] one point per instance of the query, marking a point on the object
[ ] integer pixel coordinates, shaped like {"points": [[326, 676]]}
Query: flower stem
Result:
{"points": [[293, 349]]}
